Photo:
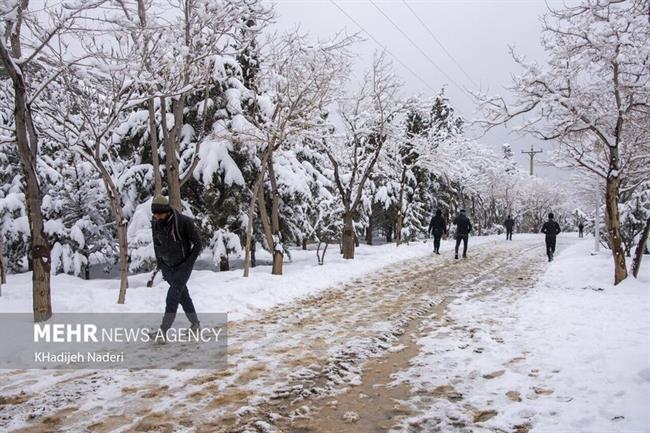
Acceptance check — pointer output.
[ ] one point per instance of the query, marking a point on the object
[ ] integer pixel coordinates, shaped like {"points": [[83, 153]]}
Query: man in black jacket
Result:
{"points": [[437, 227], [509, 224], [551, 229], [177, 245], [463, 228]]}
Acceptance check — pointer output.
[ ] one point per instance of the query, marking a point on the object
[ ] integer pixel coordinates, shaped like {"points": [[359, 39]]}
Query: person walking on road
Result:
{"points": [[437, 227], [463, 228], [509, 224], [551, 229], [177, 245], [581, 228]]}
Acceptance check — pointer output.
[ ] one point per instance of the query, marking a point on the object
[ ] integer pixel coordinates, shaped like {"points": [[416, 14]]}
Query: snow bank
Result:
{"points": [[598, 335]]}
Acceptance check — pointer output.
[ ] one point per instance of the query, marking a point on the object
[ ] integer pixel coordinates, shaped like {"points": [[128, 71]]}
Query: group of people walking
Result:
{"points": [[177, 245], [438, 229]]}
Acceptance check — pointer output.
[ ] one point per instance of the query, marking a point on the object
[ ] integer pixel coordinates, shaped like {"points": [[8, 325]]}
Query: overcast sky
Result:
{"points": [[476, 33]]}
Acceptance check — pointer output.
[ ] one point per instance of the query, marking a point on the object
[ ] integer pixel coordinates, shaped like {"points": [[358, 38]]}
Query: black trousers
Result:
{"points": [[550, 246], [178, 294], [436, 242], [580, 234], [508, 234], [463, 238]]}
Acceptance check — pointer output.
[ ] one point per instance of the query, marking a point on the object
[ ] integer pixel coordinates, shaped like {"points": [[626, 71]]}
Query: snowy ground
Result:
{"points": [[499, 342], [571, 354]]}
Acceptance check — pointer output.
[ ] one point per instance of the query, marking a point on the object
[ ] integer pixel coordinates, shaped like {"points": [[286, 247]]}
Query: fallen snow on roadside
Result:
{"points": [[570, 354]]}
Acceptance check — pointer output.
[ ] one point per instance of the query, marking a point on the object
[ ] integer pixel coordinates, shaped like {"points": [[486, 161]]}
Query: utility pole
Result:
{"points": [[597, 225], [532, 154]]}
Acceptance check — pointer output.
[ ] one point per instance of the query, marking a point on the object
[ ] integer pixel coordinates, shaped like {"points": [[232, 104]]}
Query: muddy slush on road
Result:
{"points": [[322, 364]]}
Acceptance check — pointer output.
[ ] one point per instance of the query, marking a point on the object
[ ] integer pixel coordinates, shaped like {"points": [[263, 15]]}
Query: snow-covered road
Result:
{"points": [[383, 352]]}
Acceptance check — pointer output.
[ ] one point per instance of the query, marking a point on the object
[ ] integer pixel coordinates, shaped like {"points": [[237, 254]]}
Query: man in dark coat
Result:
{"points": [[177, 245], [463, 228], [437, 227], [551, 229], [509, 224], [581, 228]]}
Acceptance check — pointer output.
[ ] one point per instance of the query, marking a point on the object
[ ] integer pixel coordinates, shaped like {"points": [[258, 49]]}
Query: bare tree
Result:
{"points": [[99, 101], [301, 77], [367, 119], [592, 99], [22, 53]]}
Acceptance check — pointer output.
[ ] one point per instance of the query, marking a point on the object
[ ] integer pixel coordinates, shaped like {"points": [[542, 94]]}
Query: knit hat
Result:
{"points": [[462, 211], [160, 204], [550, 215]]}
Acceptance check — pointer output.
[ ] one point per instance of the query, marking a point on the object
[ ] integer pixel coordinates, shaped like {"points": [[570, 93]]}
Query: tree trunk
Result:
{"points": [[613, 225], [278, 248], [153, 129], [264, 218], [321, 256], [87, 268], [278, 257], [304, 243], [369, 231], [252, 255], [124, 252], [251, 213], [155, 160], [348, 236], [249, 230], [399, 220], [224, 265], [398, 229], [3, 271], [389, 235], [171, 161], [116, 207], [27, 150], [640, 249]]}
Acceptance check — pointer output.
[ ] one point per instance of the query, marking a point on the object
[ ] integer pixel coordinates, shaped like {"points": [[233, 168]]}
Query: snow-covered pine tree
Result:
{"points": [[641, 214], [635, 211], [14, 226], [88, 228]]}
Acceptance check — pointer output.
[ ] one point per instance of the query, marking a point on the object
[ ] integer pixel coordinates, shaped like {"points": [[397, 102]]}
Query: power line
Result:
{"points": [[421, 50], [383, 47], [440, 43]]}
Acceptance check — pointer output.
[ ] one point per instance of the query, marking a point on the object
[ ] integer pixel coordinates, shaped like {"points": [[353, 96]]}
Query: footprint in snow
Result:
{"points": [[494, 374], [513, 396], [484, 415]]}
